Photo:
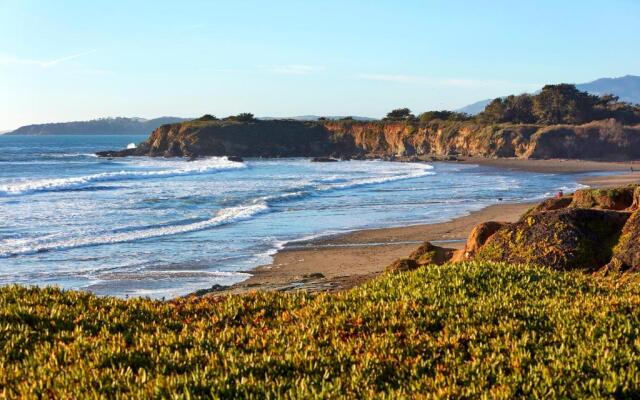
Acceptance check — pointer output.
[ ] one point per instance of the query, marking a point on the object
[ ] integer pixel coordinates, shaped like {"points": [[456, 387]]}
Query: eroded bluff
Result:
{"points": [[286, 138]]}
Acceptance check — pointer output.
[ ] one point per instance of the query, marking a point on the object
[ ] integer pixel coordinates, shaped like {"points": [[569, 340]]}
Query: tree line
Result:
{"points": [[554, 104]]}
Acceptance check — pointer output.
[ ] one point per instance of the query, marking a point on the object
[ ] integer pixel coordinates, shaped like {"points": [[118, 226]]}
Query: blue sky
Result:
{"points": [[71, 60]]}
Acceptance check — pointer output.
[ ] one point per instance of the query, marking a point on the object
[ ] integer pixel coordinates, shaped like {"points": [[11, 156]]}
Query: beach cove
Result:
{"points": [[339, 262], [226, 218]]}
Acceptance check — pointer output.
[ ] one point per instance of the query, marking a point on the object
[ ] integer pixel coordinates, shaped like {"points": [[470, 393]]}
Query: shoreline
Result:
{"points": [[341, 261]]}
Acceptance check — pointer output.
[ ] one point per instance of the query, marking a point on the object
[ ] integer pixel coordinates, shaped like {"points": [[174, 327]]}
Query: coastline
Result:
{"points": [[339, 262]]}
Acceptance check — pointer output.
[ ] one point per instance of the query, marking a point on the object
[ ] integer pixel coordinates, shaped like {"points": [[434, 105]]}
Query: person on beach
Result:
{"points": [[559, 195]]}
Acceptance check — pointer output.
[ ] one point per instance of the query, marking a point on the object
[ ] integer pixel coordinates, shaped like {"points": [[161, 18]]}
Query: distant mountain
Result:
{"points": [[475, 108], [102, 126], [626, 87], [316, 117]]}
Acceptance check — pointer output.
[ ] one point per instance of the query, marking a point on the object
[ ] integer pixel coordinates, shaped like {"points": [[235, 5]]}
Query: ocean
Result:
{"points": [[162, 228]]}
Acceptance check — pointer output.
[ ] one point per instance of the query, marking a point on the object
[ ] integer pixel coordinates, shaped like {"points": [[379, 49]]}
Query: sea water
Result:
{"points": [[158, 227]]}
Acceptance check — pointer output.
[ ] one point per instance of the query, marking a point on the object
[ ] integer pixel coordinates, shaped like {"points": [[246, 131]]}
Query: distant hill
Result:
{"points": [[316, 117], [102, 126], [475, 108], [626, 87]]}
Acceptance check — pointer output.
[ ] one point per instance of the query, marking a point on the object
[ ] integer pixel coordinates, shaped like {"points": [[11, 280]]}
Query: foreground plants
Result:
{"points": [[466, 330]]}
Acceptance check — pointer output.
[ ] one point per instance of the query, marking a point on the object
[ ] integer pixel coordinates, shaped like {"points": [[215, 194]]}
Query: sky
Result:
{"points": [[70, 60]]}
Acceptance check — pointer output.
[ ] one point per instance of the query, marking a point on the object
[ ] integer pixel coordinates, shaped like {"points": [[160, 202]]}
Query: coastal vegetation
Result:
{"points": [[459, 330], [554, 104], [559, 104]]}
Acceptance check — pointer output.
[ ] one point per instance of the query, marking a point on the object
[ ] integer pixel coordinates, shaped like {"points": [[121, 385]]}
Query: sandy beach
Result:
{"points": [[339, 262]]}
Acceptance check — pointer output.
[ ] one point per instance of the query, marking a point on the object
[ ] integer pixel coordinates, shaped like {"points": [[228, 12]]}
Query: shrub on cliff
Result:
{"points": [[242, 117], [207, 117], [400, 114], [444, 115], [457, 331], [514, 109], [563, 104]]}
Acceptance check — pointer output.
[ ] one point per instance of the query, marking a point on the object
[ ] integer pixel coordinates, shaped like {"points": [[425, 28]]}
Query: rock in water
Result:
{"points": [[235, 158], [561, 239], [323, 159], [118, 153]]}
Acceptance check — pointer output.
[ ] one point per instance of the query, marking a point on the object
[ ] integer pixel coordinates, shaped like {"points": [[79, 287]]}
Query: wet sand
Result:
{"points": [[554, 166], [340, 262]]}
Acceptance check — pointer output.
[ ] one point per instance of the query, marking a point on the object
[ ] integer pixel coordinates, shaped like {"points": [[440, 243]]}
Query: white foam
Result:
{"points": [[67, 155], [166, 274], [224, 216], [13, 247], [131, 146], [565, 189], [187, 168], [424, 171]]}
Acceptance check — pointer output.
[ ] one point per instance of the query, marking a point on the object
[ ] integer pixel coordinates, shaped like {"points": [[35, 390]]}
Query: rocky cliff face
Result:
{"points": [[284, 138]]}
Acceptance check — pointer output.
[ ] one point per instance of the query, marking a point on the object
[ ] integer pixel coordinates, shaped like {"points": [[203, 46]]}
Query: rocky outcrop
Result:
{"points": [[403, 264], [551, 204], [590, 230], [562, 239], [621, 198], [636, 199], [347, 139], [426, 254], [626, 253], [479, 235]]}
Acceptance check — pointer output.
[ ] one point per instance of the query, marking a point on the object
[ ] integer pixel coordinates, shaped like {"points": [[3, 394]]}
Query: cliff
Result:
{"points": [[599, 140]]}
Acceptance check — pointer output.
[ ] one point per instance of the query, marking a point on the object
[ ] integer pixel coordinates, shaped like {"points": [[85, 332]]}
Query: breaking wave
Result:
{"points": [[222, 217], [250, 209], [205, 166]]}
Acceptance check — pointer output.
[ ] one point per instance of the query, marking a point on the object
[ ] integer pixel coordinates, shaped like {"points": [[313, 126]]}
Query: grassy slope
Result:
{"points": [[494, 331]]}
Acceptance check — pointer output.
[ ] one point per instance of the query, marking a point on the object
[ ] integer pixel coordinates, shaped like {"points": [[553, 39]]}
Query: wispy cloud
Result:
{"points": [[445, 82], [67, 58], [8, 60], [296, 69]]}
